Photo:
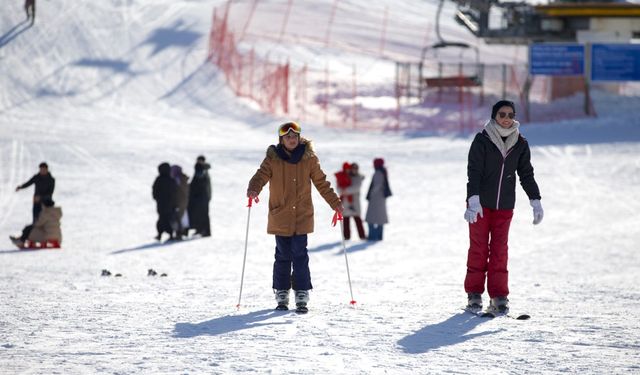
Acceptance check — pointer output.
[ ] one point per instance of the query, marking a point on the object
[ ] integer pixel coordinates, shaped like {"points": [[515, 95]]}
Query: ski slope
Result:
{"points": [[105, 91]]}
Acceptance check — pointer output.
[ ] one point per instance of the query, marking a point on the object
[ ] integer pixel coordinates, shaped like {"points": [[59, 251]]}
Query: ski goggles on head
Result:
{"points": [[504, 114], [289, 127]]}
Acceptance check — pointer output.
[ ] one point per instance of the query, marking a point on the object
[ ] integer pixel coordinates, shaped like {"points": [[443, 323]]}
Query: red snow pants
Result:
{"points": [[488, 253]]}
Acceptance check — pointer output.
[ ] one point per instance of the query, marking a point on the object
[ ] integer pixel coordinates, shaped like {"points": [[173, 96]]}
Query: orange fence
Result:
{"points": [[454, 100]]}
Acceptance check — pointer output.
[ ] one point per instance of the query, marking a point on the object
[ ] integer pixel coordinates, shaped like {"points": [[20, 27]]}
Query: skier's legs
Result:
{"points": [[346, 227], [206, 223], [164, 223], [358, 221], [498, 274], [380, 227], [478, 254], [282, 264], [37, 208], [300, 257], [25, 232]]}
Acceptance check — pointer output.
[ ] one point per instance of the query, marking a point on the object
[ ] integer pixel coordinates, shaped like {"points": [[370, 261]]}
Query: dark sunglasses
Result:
{"points": [[510, 114]]}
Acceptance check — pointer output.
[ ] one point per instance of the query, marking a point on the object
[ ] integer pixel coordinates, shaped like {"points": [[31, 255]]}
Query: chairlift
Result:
{"points": [[460, 79]]}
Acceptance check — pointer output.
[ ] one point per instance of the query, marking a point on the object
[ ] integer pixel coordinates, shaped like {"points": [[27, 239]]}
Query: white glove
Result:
{"points": [[538, 212], [473, 209]]}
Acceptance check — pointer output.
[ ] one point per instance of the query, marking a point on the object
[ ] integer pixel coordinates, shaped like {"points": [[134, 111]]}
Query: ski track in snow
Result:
{"points": [[104, 103]]}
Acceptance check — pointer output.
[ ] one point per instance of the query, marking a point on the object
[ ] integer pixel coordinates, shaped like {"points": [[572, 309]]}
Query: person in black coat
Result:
{"points": [[495, 156], [199, 198], [45, 184], [164, 193]]}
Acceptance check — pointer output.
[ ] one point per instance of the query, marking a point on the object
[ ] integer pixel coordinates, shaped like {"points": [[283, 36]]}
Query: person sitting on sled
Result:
{"points": [[45, 230]]}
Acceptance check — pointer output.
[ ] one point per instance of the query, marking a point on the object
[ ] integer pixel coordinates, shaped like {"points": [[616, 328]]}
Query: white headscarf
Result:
{"points": [[497, 132]]}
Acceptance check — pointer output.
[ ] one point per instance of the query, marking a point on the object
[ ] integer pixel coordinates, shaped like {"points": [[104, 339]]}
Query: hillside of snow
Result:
{"points": [[105, 91]]}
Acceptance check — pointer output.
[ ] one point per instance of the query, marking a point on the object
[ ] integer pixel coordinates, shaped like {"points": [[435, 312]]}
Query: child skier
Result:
{"points": [[290, 167]]}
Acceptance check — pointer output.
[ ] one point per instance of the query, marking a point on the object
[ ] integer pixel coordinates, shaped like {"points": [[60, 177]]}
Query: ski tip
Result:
{"points": [[523, 317]]}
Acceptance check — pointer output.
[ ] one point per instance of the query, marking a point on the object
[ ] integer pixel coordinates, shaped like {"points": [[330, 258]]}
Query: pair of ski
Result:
{"points": [[298, 310], [492, 313]]}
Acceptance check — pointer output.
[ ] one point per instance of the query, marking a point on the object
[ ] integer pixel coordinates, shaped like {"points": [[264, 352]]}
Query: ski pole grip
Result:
{"points": [[251, 201], [337, 216]]}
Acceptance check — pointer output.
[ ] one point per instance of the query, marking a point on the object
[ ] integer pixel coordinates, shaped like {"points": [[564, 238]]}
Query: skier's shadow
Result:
{"points": [[14, 32], [226, 324], [351, 247], [358, 246], [153, 245], [324, 247], [452, 331]]}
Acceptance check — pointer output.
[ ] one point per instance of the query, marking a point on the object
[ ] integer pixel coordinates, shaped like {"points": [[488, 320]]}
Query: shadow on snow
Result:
{"points": [[452, 331], [350, 248], [153, 245], [13, 33], [226, 324]]}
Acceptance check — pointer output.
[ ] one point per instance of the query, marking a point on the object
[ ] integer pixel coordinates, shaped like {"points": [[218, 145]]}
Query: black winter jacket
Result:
{"points": [[165, 190], [45, 184], [492, 176]]}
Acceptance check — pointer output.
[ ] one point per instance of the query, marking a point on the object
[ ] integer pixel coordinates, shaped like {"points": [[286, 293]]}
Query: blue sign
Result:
{"points": [[556, 59], [615, 62]]}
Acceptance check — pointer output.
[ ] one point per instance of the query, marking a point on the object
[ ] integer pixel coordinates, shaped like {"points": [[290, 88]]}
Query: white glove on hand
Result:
{"points": [[473, 209], [538, 212]]}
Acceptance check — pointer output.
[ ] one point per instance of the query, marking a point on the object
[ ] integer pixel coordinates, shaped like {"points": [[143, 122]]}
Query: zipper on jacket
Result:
{"points": [[504, 159]]}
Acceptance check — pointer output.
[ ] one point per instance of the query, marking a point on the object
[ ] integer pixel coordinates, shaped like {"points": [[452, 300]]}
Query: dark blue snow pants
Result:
{"points": [[291, 251]]}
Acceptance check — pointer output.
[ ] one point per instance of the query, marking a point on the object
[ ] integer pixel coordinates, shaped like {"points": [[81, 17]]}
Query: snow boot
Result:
{"points": [[302, 297], [282, 298], [474, 301], [500, 305]]}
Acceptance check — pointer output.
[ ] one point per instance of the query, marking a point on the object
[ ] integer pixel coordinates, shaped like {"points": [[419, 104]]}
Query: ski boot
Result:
{"points": [[282, 298], [302, 297], [474, 302], [499, 305]]}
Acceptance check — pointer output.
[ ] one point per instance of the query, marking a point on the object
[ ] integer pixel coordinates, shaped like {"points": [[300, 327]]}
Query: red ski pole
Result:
{"points": [[246, 240], [338, 217]]}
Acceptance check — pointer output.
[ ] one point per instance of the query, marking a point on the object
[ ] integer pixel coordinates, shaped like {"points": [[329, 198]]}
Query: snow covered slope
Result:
{"points": [[105, 91]]}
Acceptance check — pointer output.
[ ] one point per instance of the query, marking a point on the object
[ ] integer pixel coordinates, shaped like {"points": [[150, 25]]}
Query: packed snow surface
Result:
{"points": [[105, 91]]}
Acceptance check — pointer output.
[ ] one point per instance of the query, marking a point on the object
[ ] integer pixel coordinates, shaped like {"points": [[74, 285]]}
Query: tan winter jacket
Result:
{"points": [[47, 227], [290, 204]]}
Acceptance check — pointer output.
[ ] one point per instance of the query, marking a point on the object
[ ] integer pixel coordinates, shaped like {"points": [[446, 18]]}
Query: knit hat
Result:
{"points": [[500, 104], [346, 166], [378, 162]]}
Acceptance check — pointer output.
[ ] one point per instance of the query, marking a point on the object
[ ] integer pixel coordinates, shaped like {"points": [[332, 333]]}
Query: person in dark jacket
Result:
{"points": [[45, 184], [199, 198], [164, 193], [496, 154], [181, 219]]}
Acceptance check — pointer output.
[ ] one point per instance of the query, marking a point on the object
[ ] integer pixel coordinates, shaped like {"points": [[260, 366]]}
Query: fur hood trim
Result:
{"points": [[309, 151]]}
